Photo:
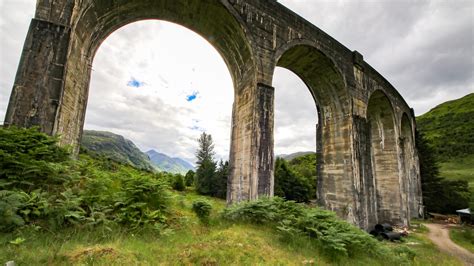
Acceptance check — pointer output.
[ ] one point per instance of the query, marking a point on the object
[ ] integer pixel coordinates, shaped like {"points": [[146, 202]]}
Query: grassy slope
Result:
{"points": [[450, 127], [188, 243]]}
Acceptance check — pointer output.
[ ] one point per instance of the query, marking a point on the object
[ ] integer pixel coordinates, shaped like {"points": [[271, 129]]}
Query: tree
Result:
{"points": [[289, 184], [305, 166], [178, 182], [206, 148], [206, 165], [439, 195], [205, 177], [189, 178], [219, 188]]}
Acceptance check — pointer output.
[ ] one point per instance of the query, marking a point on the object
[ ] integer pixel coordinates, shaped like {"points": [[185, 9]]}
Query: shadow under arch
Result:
{"points": [[386, 197], [329, 91], [96, 20]]}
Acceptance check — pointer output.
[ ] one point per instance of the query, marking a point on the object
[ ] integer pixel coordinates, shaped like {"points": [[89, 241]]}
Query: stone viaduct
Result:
{"points": [[368, 169]]}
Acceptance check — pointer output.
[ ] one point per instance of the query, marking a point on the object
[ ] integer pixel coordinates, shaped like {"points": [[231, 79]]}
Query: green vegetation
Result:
{"points": [[202, 209], [178, 182], [335, 236], [95, 211], [450, 128], [115, 147], [459, 169], [440, 195], [296, 179], [289, 184], [463, 236], [41, 186], [210, 179], [189, 178]]}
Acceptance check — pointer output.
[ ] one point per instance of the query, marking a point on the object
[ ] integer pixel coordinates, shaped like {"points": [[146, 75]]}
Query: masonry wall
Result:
{"points": [[362, 181]]}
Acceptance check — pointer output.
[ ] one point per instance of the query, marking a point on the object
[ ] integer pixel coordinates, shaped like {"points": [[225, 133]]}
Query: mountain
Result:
{"points": [[115, 147], [450, 128], [292, 156], [165, 163]]}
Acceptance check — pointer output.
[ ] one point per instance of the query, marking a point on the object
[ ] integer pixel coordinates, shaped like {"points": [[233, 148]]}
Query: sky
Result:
{"points": [[161, 85]]}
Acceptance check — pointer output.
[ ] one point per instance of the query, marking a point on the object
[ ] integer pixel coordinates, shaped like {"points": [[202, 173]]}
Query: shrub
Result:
{"points": [[178, 182], [189, 178], [142, 200], [10, 203], [40, 184], [202, 209], [30, 160], [334, 235]]}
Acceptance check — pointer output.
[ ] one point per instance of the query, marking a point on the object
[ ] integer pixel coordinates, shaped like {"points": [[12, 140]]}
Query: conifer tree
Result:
{"points": [[206, 165]]}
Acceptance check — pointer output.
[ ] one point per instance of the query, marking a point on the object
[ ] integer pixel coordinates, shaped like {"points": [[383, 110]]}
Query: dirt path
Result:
{"points": [[439, 234]]}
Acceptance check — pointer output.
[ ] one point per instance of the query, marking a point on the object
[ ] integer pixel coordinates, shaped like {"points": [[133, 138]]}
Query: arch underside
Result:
{"points": [[97, 19], [384, 158], [326, 85]]}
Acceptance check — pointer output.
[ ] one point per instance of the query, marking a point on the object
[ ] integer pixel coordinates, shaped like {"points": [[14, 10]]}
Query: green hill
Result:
{"points": [[450, 128], [115, 147]]}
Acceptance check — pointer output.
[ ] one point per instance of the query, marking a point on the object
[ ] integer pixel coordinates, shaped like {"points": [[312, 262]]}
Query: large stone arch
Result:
{"points": [[384, 158], [253, 37], [64, 38], [327, 86]]}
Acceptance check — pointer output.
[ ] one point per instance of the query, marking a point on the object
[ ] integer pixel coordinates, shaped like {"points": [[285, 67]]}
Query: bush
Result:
{"points": [[41, 185], [335, 236], [202, 209], [30, 160], [178, 182], [10, 203], [142, 200], [291, 185], [189, 178]]}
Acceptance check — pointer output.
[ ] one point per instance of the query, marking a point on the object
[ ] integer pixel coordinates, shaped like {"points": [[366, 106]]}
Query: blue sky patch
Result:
{"points": [[133, 82], [192, 97]]}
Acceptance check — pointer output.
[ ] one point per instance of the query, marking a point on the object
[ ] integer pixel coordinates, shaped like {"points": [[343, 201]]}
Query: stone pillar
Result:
{"points": [[39, 82], [264, 138], [251, 152]]}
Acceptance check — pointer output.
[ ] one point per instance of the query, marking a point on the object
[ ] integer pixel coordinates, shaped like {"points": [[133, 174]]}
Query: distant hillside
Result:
{"points": [[292, 156], [115, 147], [450, 128], [165, 163]]}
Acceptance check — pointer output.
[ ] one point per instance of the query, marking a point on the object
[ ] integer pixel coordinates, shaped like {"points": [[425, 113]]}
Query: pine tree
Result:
{"points": [[289, 184], [206, 148], [219, 187], [206, 165], [189, 178], [439, 195]]}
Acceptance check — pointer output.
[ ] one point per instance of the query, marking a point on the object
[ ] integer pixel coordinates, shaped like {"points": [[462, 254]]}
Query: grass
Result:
{"points": [[463, 236], [427, 253], [188, 242], [460, 169]]}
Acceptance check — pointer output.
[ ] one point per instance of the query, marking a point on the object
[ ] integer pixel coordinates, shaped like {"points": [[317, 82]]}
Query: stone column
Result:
{"points": [[251, 153], [39, 82]]}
